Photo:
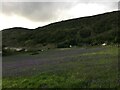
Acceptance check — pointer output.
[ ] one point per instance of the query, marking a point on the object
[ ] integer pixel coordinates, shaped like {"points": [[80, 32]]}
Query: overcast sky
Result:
{"points": [[29, 14]]}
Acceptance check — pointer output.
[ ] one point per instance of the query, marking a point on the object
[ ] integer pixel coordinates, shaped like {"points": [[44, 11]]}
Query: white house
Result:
{"points": [[18, 49], [70, 46], [104, 44]]}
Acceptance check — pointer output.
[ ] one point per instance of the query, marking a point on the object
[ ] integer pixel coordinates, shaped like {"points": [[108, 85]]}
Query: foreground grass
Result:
{"points": [[93, 70]]}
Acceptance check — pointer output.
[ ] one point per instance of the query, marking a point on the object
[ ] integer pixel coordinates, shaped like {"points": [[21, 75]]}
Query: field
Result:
{"points": [[91, 67]]}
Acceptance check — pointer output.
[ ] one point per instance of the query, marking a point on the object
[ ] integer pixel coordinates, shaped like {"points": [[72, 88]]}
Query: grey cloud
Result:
{"points": [[119, 5], [89, 1], [36, 11], [60, 0], [45, 11]]}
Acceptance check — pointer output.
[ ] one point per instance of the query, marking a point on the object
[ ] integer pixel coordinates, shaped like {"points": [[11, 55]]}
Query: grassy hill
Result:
{"points": [[92, 30]]}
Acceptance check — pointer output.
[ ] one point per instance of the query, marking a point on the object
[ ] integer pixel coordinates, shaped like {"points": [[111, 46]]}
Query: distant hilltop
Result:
{"points": [[92, 30]]}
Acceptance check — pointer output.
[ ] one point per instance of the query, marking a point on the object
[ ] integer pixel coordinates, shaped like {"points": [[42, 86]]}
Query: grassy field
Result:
{"points": [[94, 67]]}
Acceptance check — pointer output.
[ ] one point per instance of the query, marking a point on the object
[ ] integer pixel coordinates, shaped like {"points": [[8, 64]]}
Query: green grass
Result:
{"points": [[95, 70]]}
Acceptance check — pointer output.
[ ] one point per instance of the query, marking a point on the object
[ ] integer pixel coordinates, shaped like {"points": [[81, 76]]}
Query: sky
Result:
{"points": [[36, 13]]}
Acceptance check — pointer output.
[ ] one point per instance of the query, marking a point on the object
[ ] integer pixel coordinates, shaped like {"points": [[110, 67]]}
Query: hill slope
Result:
{"points": [[80, 31]]}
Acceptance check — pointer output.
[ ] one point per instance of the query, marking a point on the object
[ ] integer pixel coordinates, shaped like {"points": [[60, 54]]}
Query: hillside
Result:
{"points": [[92, 30]]}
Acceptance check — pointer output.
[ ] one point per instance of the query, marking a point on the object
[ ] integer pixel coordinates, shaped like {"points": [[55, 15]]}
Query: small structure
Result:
{"points": [[42, 50], [26, 50], [18, 49], [70, 46], [6, 48], [104, 44]]}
